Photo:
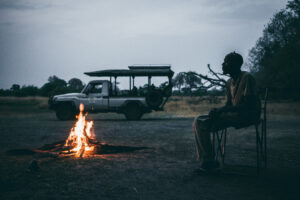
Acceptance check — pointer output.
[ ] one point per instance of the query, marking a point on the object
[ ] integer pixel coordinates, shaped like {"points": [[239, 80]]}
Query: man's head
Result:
{"points": [[232, 63]]}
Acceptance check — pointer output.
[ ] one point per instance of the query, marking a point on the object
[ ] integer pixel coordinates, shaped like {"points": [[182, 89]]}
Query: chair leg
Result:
{"points": [[265, 144], [257, 148], [219, 143], [213, 144], [261, 146], [219, 138], [224, 145]]}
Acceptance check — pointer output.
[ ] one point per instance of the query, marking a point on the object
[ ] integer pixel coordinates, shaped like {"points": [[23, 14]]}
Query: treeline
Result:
{"points": [[185, 84], [54, 86], [275, 60]]}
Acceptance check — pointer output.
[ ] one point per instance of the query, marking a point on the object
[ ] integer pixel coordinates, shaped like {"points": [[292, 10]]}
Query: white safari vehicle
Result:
{"points": [[104, 96]]}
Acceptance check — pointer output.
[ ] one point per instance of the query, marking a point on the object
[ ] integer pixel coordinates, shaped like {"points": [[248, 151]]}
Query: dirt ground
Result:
{"points": [[166, 170]]}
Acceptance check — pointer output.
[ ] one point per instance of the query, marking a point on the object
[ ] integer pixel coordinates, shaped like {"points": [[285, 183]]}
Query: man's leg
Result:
{"points": [[203, 142]]}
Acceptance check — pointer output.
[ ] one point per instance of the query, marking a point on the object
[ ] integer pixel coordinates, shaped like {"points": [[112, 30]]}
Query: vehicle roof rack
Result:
{"points": [[135, 70], [140, 67]]}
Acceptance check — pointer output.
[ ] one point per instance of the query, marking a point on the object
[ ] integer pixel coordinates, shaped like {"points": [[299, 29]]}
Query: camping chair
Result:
{"points": [[219, 139]]}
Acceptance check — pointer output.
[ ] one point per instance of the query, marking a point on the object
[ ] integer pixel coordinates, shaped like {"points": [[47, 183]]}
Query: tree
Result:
{"points": [[15, 87], [214, 80], [189, 80], [178, 81], [192, 81], [274, 60], [5, 92], [15, 90], [75, 84], [29, 90], [47, 89], [54, 86], [57, 81]]}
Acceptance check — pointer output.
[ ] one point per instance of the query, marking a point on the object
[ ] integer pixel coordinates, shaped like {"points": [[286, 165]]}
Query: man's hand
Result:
{"points": [[214, 113]]}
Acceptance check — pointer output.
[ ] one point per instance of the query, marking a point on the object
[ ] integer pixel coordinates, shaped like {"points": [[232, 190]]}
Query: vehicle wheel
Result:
{"points": [[133, 112], [154, 98], [65, 112]]}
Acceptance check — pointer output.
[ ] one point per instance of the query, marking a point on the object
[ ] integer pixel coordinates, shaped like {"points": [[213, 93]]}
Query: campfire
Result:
{"points": [[81, 142], [81, 139]]}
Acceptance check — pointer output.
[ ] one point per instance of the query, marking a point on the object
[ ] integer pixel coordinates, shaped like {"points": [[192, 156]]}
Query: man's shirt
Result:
{"points": [[237, 91]]}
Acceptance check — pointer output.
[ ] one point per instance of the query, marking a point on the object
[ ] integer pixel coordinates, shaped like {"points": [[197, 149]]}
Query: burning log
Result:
{"points": [[80, 137]]}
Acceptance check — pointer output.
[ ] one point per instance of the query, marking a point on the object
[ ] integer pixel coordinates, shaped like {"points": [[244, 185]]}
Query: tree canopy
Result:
{"points": [[55, 85], [275, 60], [75, 83], [187, 81]]}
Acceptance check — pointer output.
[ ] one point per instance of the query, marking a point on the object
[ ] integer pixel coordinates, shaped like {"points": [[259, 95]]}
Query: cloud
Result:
{"points": [[23, 4]]}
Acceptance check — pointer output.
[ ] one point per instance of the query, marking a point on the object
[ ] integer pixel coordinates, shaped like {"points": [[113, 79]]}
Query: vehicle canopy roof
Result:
{"points": [[135, 70], [98, 81]]}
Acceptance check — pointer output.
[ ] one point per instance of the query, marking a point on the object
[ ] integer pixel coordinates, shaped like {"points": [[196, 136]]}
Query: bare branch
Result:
{"points": [[213, 81], [206, 87], [215, 73], [216, 80]]}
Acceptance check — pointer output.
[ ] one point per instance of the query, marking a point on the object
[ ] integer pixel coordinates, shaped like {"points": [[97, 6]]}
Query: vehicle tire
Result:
{"points": [[154, 98], [133, 111], [65, 112]]}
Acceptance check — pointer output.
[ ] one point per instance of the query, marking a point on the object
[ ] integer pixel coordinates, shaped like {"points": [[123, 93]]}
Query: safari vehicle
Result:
{"points": [[104, 95]]}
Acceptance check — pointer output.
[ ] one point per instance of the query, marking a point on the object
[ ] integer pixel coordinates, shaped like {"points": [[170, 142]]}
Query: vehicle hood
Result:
{"points": [[69, 95]]}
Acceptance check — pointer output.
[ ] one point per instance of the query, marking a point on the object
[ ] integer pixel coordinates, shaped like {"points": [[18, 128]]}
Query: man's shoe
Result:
{"points": [[210, 165]]}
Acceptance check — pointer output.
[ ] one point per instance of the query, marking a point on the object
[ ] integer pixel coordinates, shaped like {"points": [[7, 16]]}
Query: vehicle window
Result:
{"points": [[87, 89], [97, 88]]}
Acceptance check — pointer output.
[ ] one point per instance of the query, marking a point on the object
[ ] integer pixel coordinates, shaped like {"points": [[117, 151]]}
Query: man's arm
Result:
{"points": [[216, 111], [248, 100], [249, 97]]}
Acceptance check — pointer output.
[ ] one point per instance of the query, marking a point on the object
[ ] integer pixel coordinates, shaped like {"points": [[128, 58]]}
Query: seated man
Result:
{"points": [[242, 109]]}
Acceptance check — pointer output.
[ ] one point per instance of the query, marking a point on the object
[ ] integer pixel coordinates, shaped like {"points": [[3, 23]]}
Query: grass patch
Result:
{"points": [[176, 106], [23, 104]]}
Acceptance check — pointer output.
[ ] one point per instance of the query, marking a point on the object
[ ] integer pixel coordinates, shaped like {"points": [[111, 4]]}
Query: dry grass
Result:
{"points": [[22, 104], [193, 106], [176, 106]]}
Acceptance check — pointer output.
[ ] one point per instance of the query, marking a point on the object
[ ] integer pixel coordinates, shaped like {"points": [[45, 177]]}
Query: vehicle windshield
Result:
{"points": [[86, 89], [95, 88]]}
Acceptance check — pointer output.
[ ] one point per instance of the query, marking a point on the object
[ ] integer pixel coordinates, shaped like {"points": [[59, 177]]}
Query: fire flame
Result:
{"points": [[80, 137]]}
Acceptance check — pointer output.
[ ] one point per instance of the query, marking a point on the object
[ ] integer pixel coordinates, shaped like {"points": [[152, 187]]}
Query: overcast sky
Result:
{"points": [[40, 38]]}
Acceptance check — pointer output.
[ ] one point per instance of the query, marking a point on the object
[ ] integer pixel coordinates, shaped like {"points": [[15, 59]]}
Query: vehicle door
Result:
{"points": [[96, 98], [84, 98]]}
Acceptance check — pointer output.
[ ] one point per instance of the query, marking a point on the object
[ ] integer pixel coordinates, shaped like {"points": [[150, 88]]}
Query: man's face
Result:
{"points": [[226, 67]]}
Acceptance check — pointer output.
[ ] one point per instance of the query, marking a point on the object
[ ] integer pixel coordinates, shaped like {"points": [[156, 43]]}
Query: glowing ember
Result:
{"points": [[81, 136]]}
